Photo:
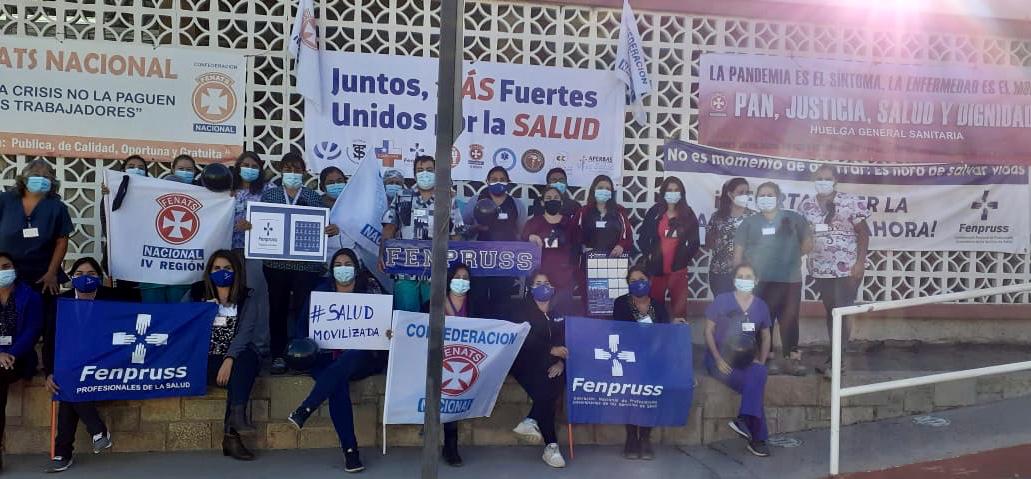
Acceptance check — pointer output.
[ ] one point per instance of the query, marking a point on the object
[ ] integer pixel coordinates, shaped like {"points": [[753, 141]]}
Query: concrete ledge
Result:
{"points": [[195, 423]]}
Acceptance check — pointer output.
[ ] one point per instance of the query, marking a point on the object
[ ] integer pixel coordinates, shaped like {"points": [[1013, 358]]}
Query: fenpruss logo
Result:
{"points": [[615, 355], [214, 101], [461, 369], [177, 221], [141, 339]]}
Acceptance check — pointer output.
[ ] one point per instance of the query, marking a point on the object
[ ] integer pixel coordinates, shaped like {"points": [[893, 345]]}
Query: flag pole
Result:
{"points": [[449, 111]]}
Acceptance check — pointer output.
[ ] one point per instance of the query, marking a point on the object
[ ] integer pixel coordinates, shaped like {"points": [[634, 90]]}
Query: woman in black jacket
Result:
{"points": [[639, 307], [540, 365], [668, 239], [87, 284], [239, 336]]}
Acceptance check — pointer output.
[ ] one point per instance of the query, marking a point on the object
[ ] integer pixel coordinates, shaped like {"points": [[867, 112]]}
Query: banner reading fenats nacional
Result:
{"points": [[92, 99], [107, 350], [524, 118], [914, 207], [865, 111]]}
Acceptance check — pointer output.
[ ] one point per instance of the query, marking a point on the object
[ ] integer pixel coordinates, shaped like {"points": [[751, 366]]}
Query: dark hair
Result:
{"points": [[362, 274], [146, 166], [724, 204], [86, 260], [4, 254], [238, 291], [637, 267], [184, 157], [828, 167], [292, 158], [556, 170], [681, 205], [454, 269], [423, 159], [20, 181], [611, 203], [257, 185], [534, 275], [743, 264], [501, 169], [325, 173]]}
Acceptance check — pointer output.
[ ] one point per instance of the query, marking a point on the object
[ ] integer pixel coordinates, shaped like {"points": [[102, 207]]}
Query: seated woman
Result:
{"points": [[239, 337], [639, 307], [21, 320], [539, 366], [333, 373], [458, 304], [87, 284], [737, 333]]}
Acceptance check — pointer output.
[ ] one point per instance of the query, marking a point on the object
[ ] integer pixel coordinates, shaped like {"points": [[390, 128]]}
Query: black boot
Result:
{"points": [[233, 447], [645, 440], [632, 449], [451, 456], [238, 419]]}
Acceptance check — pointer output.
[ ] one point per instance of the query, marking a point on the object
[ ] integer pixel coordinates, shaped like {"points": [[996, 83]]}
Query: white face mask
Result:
{"points": [[744, 285], [766, 203], [742, 200], [824, 187]]}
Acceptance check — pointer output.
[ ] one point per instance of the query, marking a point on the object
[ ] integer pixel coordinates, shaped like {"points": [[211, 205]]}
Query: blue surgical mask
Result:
{"points": [[497, 189], [744, 285], [37, 184], [426, 180], [249, 174], [766, 203], [136, 171], [640, 288], [222, 278], [293, 180], [460, 286], [543, 292], [343, 274], [560, 186], [186, 176], [86, 283], [602, 196], [335, 189], [392, 189], [672, 197], [7, 277]]}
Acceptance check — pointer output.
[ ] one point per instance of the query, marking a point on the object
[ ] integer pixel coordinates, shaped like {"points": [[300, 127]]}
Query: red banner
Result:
{"points": [[861, 111]]}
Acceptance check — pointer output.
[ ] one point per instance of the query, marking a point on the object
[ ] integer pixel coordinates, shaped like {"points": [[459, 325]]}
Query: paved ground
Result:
{"points": [[1011, 462], [865, 447]]}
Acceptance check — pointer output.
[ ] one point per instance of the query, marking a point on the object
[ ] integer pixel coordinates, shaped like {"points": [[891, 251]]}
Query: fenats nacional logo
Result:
{"points": [[615, 355], [476, 155], [461, 369], [718, 102], [309, 35], [141, 339], [456, 157], [177, 221], [214, 102]]}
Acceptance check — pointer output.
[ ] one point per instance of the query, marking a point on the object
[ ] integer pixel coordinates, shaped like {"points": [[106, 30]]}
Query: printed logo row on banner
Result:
{"points": [[524, 118]]}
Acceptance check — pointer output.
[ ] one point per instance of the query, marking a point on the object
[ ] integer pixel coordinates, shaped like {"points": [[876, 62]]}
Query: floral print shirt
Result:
{"points": [[835, 246]]}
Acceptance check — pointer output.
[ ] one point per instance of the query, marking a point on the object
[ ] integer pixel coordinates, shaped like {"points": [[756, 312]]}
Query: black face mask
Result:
{"points": [[552, 207]]}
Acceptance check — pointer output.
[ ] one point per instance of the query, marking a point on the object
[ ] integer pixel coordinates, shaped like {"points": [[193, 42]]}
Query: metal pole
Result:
{"points": [[449, 121], [835, 388]]}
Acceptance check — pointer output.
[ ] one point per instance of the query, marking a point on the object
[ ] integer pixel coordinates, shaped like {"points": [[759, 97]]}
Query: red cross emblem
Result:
{"points": [[177, 221], [461, 369]]}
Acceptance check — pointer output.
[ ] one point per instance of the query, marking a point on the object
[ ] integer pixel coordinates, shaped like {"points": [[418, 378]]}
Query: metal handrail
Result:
{"points": [[837, 393]]}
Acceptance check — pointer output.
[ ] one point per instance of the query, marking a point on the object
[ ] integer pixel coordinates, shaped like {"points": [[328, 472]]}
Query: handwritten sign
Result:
{"points": [[349, 320]]}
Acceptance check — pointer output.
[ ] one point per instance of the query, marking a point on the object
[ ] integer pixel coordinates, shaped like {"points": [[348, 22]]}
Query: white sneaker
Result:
{"points": [[529, 429], [553, 456]]}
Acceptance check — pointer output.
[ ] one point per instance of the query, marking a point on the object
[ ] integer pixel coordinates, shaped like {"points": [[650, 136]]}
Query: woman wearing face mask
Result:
{"points": [[640, 307], [34, 230], [332, 181], [290, 278], [492, 295], [557, 179], [393, 183], [249, 181], [731, 210], [540, 365], [840, 240], [184, 170], [559, 239], [774, 242], [87, 285], [668, 237], [239, 337], [135, 165], [737, 336], [333, 372], [21, 320], [603, 225]]}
